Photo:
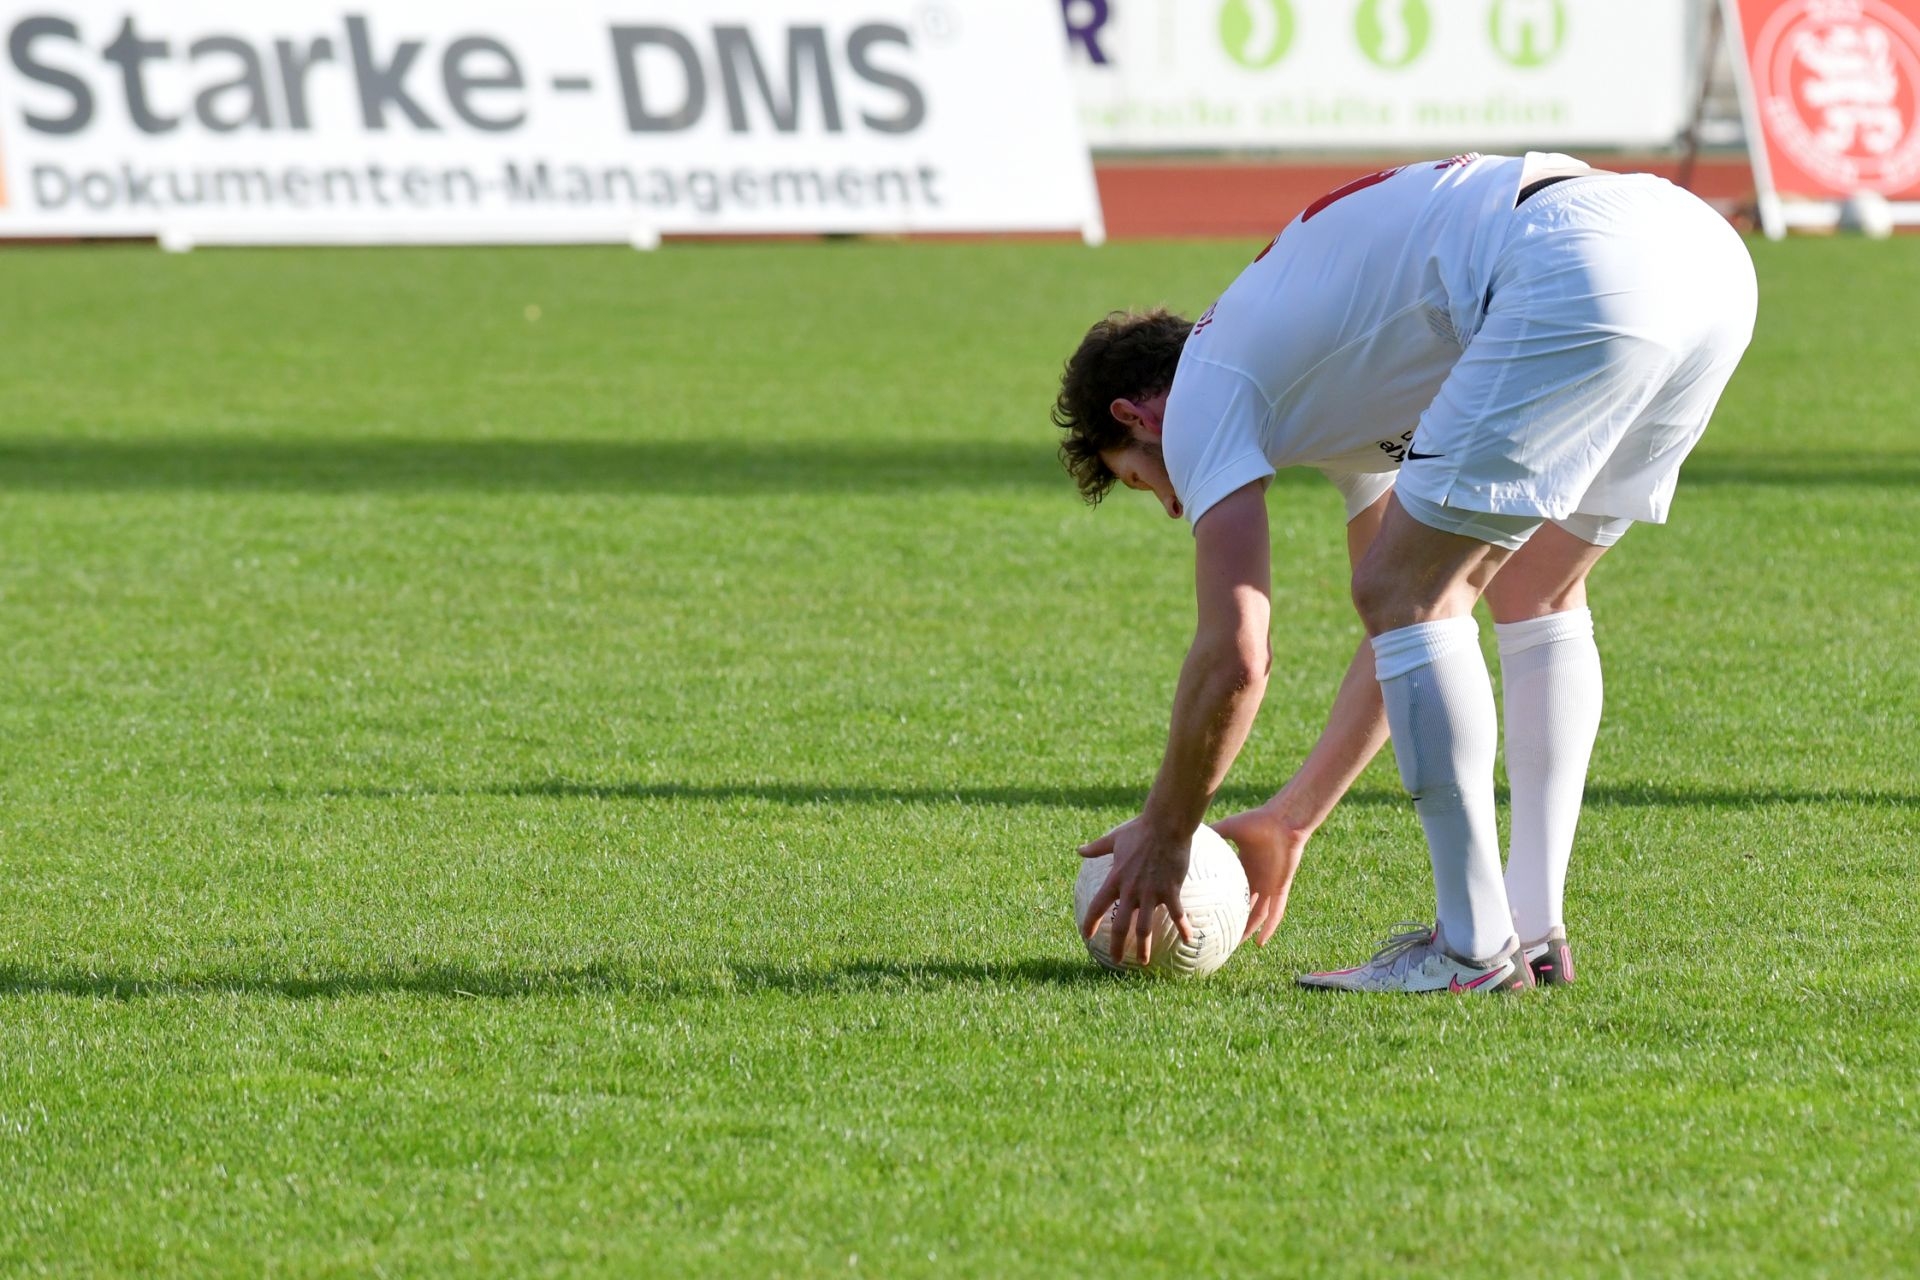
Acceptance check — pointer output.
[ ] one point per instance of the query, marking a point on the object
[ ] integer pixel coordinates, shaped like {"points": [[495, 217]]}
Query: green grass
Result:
{"points": [[594, 794]]}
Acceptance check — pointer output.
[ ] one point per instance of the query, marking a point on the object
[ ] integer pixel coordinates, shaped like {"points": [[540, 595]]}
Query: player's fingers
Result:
{"points": [[1099, 846], [1130, 931], [1181, 924], [1109, 893], [1276, 911], [1256, 912], [1097, 910], [1257, 923]]}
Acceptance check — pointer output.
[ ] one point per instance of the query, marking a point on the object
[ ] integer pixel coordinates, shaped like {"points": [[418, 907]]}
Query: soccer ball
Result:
{"points": [[1215, 898]]}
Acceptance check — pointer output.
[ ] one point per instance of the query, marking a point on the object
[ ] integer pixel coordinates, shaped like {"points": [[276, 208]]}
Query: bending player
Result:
{"points": [[1501, 363]]}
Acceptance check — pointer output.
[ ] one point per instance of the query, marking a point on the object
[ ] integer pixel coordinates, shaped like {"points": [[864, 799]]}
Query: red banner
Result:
{"points": [[1832, 98]]}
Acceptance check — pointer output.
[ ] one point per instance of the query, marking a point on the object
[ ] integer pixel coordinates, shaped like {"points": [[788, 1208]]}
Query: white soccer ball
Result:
{"points": [[1868, 213], [1214, 896]]}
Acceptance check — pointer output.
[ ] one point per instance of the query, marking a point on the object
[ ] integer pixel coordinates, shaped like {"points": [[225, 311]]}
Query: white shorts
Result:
{"points": [[1509, 531], [1618, 310]]}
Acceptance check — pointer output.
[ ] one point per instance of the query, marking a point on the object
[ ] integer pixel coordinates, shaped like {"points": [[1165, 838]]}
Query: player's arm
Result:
{"points": [[1356, 726], [1225, 674], [1272, 838], [1221, 684]]}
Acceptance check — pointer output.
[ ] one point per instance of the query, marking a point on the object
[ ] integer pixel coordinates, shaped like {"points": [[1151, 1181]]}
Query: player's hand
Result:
{"points": [[1270, 851], [1148, 870]]}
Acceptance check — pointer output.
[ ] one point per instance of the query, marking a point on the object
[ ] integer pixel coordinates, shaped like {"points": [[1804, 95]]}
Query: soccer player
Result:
{"points": [[1500, 362]]}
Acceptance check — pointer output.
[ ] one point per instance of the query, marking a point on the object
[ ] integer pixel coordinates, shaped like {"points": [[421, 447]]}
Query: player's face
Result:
{"points": [[1140, 466]]}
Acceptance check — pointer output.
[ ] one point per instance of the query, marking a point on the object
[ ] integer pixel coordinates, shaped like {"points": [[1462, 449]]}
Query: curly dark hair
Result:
{"points": [[1126, 354]]}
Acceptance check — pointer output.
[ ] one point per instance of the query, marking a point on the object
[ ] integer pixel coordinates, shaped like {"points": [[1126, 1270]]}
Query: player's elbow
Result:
{"points": [[1253, 649], [1245, 665], [1253, 677], [1235, 647], [1257, 657]]}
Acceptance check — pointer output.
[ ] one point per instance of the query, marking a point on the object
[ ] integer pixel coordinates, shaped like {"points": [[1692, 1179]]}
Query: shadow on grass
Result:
{"points": [[1895, 471], [802, 794], [694, 467], [455, 982], [691, 467], [1621, 795], [918, 975]]}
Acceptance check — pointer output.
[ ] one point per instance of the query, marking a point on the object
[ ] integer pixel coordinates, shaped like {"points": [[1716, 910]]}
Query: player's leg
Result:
{"points": [[1534, 404], [1415, 590], [1612, 323], [1551, 706], [1678, 280]]}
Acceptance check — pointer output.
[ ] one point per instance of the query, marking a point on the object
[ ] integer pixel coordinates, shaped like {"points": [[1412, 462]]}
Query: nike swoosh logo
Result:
{"points": [[1455, 986], [1415, 457]]}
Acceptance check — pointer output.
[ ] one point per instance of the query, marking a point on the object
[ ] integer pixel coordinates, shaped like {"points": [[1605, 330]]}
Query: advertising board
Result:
{"points": [[306, 120], [1330, 74]]}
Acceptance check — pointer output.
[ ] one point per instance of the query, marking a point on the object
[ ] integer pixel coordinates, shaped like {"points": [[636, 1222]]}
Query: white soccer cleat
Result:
{"points": [[1414, 960]]}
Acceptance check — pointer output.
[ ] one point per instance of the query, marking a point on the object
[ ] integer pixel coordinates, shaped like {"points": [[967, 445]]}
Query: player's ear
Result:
{"points": [[1135, 417]]}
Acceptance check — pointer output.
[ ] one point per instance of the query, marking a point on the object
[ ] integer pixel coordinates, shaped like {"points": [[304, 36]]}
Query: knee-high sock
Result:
{"points": [[1550, 677], [1440, 708]]}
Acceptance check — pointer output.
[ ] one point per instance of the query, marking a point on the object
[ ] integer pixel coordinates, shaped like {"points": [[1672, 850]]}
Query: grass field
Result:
{"points": [[591, 790]]}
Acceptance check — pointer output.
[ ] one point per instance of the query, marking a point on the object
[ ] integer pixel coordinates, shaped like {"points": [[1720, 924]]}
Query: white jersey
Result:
{"points": [[1329, 346]]}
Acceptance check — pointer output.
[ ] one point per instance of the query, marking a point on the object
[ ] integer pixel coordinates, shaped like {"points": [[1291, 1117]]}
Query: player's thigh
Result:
{"points": [[1549, 574]]}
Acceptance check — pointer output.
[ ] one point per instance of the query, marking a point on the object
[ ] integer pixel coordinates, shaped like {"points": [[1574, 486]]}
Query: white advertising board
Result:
{"points": [[1329, 74], [610, 120]]}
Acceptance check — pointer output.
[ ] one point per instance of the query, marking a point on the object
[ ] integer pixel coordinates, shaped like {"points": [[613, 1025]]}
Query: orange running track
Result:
{"points": [[1150, 199]]}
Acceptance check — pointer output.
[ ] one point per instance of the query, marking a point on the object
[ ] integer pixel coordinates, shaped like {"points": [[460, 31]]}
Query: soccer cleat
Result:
{"points": [[1414, 960], [1551, 959]]}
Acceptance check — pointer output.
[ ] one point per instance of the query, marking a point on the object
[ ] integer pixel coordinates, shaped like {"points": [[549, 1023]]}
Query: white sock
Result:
{"points": [[1550, 677], [1440, 708]]}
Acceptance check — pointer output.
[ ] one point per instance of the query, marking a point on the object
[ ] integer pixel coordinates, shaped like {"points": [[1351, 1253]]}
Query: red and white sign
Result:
{"points": [[1832, 96]]}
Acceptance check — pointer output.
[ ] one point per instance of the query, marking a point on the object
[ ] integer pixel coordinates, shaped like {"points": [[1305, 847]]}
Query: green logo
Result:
{"points": [[1528, 33], [1256, 33], [1393, 33]]}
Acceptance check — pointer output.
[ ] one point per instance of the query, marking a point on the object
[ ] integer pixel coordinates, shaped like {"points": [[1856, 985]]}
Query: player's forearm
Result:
{"points": [[1220, 689], [1356, 730]]}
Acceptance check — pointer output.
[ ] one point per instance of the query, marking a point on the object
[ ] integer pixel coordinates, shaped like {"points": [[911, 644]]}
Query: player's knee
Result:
{"points": [[1549, 574], [1376, 596], [1520, 599]]}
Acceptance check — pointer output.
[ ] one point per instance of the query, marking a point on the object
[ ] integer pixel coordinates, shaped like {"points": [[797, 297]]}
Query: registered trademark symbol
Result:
{"points": [[938, 24]]}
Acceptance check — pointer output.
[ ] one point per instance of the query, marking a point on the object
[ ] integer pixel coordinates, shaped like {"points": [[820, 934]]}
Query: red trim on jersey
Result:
{"points": [[1340, 193]]}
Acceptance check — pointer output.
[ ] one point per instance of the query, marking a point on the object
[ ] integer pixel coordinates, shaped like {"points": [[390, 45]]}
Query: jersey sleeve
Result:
{"points": [[1361, 489], [1211, 439]]}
